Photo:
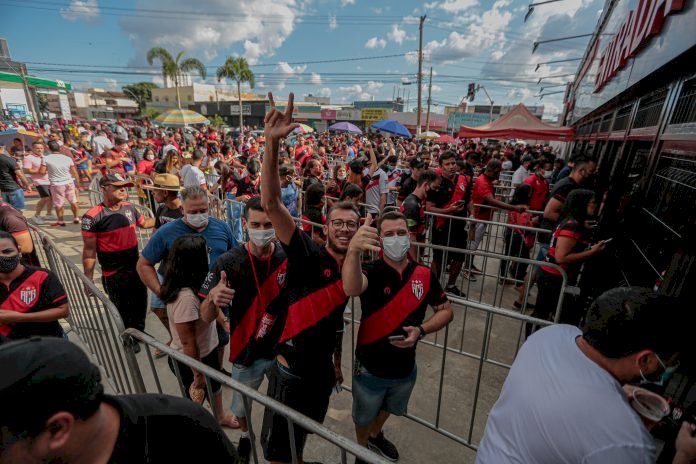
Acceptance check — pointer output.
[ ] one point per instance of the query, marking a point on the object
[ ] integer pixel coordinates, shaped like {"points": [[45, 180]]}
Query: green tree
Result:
{"points": [[216, 121], [141, 92], [150, 113], [173, 68], [237, 69]]}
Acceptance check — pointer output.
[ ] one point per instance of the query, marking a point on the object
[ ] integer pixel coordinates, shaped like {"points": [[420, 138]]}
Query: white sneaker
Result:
{"points": [[37, 220]]}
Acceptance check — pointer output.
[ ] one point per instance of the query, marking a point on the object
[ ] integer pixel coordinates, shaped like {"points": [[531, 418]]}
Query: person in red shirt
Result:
{"points": [[116, 159], [483, 198], [539, 185], [147, 164]]}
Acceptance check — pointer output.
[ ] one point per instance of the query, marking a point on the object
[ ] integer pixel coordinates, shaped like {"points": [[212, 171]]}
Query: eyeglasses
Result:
{"points": [[339, 223]]}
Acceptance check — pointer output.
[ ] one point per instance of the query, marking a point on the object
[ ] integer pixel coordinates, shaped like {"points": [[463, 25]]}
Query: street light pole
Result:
{"points": [[490, 111], [420, 75]]}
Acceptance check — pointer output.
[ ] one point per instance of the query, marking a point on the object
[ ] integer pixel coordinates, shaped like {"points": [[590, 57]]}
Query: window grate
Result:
{"points": [[685, 110], [621, 121], [605, 123], [649, 109]]}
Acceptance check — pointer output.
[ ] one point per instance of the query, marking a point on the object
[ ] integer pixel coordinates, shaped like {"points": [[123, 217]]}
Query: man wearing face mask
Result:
{"points": [[539, 184], [218, 235], [395, 293], [413, 208], [248, 280], [563, 399]]}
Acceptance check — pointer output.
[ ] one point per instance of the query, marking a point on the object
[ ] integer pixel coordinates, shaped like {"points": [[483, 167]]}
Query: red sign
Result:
{"points": [[634, 33], [329, 115]]}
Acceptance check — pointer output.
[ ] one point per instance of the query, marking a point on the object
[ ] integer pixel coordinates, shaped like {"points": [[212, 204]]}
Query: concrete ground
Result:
{"points": [[452, 399]]}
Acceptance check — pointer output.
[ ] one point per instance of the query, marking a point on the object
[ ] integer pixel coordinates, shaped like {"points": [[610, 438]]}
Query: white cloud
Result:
{"points": [[325, 92], [111, 84], [374, 85], [412, 57], [397, 35], [375, 42], [359, 92], [158, 80], [551, 109], [488, 30], [239, 22], [82, 10], [436, 88], [315, 79], [345, 3], [520, 95], [453, 6], [333, 23], [287, 71]]}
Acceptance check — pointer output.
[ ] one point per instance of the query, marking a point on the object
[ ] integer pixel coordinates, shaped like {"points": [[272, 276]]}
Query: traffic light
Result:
{"points": [[471, 93]]}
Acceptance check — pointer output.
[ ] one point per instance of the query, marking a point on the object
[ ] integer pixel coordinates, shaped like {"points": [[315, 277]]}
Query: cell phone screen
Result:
{"points": [[393, 338]]}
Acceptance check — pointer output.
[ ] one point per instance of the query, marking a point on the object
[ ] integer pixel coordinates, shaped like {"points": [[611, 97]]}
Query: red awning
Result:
{"points": [[518, 124]]}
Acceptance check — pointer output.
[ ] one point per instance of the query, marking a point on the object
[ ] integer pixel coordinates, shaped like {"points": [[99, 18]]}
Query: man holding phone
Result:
{"points": [[394, 295]]}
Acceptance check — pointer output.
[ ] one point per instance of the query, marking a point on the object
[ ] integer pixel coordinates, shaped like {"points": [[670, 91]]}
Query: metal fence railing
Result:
{"points": [[342, 445], [93, 317]]}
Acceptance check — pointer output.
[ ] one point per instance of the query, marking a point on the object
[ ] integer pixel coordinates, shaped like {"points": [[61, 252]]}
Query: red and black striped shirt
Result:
{"points": [[117, 242]]}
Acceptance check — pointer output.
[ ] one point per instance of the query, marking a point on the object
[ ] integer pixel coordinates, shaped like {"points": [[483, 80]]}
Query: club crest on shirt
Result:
{"points": [[417, 289], [387, 291], [27, 295], [281, 278], [327, 273], [462, 187], [129, 215]]}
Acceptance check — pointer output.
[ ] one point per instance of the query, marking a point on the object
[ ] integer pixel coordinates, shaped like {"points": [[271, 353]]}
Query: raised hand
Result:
{"points": [[278, 125], [366, 238], [221, 295]]}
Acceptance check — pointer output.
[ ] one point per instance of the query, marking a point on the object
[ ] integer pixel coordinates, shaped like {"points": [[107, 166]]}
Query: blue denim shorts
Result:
{"points": [[251, 376], [15, 198], [372, 394], [155, 302]]}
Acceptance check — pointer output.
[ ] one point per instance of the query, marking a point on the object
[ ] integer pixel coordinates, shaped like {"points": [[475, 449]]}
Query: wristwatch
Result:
{"points": [[422, 332]]}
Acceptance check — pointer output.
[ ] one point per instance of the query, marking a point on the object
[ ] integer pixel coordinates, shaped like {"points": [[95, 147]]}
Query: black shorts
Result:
{"points": [[43, 191], [307, 396], [454, 238]]}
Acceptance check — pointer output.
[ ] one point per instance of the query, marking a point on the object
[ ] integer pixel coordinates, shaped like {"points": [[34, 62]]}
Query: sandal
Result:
{"points": [[230, 422]]}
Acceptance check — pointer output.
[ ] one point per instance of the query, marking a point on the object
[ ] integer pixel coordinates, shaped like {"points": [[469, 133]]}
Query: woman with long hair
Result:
{"points": [[568, 249], [170, 164], [193, 332]]}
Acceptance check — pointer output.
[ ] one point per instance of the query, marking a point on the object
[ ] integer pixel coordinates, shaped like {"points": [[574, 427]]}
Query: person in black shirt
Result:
{"points": [[72, 421], [32, 299], [452, 198], [249, 281], [10, 177], [165, 192], [410, 180], [304, 373], [413, 208], [394, 295], [313, 212]]}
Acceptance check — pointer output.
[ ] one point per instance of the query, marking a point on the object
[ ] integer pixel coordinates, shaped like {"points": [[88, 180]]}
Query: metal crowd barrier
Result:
{"points": [[143, 234], [94, 318], [343, 445]]}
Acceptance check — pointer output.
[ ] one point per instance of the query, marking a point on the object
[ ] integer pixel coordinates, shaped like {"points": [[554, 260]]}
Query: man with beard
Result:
{"points": [[563, 399], [108, 233], [394, 294], [304, 374]]}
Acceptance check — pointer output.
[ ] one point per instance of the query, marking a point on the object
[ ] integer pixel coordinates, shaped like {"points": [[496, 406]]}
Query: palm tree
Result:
{"points": [[237, 69], [173, 68]]}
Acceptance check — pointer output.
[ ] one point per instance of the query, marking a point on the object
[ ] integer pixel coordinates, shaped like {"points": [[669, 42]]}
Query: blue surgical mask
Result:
{"points": [[667, 374]]}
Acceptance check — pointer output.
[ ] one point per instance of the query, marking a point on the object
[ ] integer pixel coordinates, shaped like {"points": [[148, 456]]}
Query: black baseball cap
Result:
{"points": [[115, 179], [46, 375], [416, 163], [356, 166]]}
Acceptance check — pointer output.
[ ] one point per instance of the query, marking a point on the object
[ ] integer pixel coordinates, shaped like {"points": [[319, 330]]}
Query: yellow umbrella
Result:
{"points": [[181, 118]]}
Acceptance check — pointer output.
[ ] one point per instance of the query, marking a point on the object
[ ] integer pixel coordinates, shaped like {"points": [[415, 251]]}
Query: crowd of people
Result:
{"points": [[328, 217]]}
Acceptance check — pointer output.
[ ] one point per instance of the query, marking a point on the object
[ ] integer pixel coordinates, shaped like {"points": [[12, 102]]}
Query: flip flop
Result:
{"points": [[229, 422]]}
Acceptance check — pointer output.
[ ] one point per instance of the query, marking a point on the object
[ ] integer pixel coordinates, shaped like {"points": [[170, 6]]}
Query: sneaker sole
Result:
{"points": [[374, 448]]}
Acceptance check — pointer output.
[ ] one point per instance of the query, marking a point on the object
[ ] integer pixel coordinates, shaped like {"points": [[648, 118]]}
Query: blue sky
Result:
{"points": [[483, 41]]}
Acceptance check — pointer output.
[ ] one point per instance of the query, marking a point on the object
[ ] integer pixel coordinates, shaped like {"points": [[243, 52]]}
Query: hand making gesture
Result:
{"points": [[278, 125], [366, 238]]}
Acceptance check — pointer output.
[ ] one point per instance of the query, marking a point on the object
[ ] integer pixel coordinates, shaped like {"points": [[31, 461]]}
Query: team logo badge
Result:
{"points": [[387, 291], [281, 278], [417, 289], [129, 215], [27, 295], [462, 187], [327, 273]]}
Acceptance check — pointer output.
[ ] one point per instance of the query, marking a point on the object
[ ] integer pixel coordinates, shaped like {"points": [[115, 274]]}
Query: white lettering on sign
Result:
{"points": [[634, 33]]}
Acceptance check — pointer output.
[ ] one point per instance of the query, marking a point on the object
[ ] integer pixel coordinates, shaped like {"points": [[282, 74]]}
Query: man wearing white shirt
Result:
{"points": [[522, 172], [32, 165], [62, 176], [101, 143], [192, 174], [563, 400]]}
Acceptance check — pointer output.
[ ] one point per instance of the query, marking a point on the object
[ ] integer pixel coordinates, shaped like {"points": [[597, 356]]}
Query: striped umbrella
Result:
{"points": [[181, 118], [26, 136], [303, 129], [428, 135]]}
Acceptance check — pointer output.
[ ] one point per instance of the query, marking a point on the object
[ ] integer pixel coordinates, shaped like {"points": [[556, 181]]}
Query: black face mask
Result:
{"points": [[8, 264]]}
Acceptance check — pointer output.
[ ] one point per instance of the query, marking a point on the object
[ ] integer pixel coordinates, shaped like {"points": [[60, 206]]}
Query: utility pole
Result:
{"points": [[430, 88], [490, 111], [27, 90], [420, 75]]}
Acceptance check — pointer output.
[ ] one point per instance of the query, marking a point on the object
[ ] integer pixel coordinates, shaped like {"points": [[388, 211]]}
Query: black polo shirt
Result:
{"points": [[163, 429], [385, 283], [443, 195], [253, 336], [414, 210], [316, 302], [408, 185], [33, 291], [8, 174]]}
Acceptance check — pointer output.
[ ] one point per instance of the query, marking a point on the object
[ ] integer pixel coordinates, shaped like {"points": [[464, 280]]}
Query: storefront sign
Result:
{"points": [[373, 114], [642, 23], [348, 115], [328, 115], [458, 119], [234, 109]]}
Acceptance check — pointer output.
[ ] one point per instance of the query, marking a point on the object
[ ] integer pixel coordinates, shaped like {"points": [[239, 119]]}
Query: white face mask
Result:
{"points": [[396, 247], [548, 174], [150, 157], [197, 220], [261, 237], [341, 177]]}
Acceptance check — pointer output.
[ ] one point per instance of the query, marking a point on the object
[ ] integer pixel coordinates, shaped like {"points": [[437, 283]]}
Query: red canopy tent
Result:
{"points": [[519, 124]]}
